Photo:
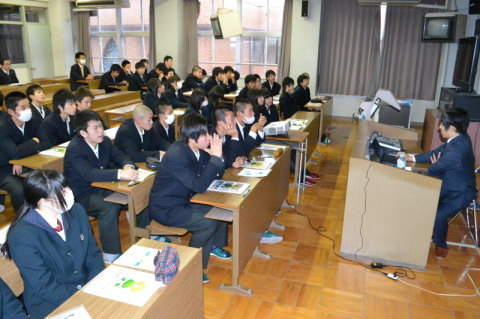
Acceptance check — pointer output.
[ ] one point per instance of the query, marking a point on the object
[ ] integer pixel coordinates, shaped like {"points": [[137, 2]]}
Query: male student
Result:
{"points": [[193, 80], [302, 91], [84, 98], [111, 78], [36, 96], [270, 83], [249, 84], [454, 163], [168, 61], [58, 126], [126, 72], [288, 104], [164, 127], [90, 157], [251, 134], [225, 127], [136, 138], [79, 71], [159, 72], [189, 167], [258, 81], [7, 74], [217, 78], [145, 63], [20, 137], [229, 79], [137, 82]]}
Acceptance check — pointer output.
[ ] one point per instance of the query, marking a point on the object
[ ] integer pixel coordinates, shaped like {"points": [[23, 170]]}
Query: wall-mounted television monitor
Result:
{"points": [[444, 27], [466, 63]]}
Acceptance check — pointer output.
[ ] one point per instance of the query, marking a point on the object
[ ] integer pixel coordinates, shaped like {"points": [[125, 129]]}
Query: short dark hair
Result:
{"points": [[161, 67], [2, 61], [12, 99], [78, 54], [144, 61], [197, 98], [204, 72], [240, 106], [253, 95], [31, 90], [215, 94], [219, 114], [228, 68], [301, 78], [266, 92], [170, 80], [270, 72], [171, 70], [83, 117], [257, 77], [116, 68], [166, 58], [139, 65], [125, 63], [194, 125], [217, 70], [287, 82], [237, 75], [153, 84], [458, 118], [82, 92], [61, 97], [250, 78]]}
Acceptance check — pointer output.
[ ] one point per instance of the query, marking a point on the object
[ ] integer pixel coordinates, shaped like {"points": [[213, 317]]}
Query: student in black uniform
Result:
{"points": [[288, 105], [250, 134], [215, 98], [7, 74], [145, 63], [193, 80], [159, 72], [217, 78], [137, 81], [164, 127], [126, 72], [255, 96], [229, 79], [155, 94], [36, 96], [269, 110], [84, 98], [270, 83], [302, 92], [174, 93], [258, 81], [59, 125], [198, 100], [112, 78], [10, 306], [79, 71], [20, 137], [168, 61], [224, 120], [249, 84]]}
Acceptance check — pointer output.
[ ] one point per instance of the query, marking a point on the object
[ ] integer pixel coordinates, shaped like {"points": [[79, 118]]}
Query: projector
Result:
{"points": [[276, 128]]}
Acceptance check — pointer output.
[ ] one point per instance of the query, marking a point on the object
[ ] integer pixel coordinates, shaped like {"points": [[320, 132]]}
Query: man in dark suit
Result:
{"points": [[58, 126], [36, 96], [250, 134], [233, 152], [164, 127], [270, 83], [20, 137], [288, 105], [189, 167], [126, 71], [79, 71], [217, 78], [137, 82], [302, 91], [136, 138], [454, 163], [7, 74], [112, 78], [193, 80], [90, 157], [249, 84], [160, 72]]}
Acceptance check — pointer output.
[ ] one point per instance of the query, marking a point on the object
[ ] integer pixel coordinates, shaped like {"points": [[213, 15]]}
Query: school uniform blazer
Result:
{"points": [[36, 116], [191, 83], [211, 82], [248, 142], [166, 139], [288, 105], [179, 177], [129, 142], [82, 167], [124, 76], [302, 96], [76, 75], [10, 306], [56, 129], [136, 82], [455, 168], [108, 80], [15, 145], [231, 86], [271, 114], [152, 100], [177, 100], [232, 148], [151, 75], [243, 92], [207, 112], [274, 89], [53, 269], [9, 78], [190, 109]]}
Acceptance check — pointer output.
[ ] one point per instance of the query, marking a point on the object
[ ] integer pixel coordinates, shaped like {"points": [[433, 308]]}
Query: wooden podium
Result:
{"points": [[392, 209]]}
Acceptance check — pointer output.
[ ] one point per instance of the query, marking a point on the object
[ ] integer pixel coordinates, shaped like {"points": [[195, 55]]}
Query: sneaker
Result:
{"points": [[220, 253], [2, 208], [278, 212], [440, 253], [270, 238], [161, 238], [312, 176], [309, 183], [109, 258], [205, 278]]}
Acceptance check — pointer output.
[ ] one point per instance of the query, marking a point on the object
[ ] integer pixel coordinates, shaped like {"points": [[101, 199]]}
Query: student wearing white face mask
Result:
{"points": [[251, 134], [20, 138], [52, 244], [174, 93], [79, 71], [164, 126]]}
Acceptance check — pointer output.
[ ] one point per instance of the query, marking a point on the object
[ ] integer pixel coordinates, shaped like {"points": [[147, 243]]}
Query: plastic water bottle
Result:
{"points": [[401, 161]]}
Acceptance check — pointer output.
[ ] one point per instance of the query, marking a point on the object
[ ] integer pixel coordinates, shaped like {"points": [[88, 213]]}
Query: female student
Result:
{"points": [[269, 110], [51, 242], [197, 101], [174, 93], [255, 96], [155, 95]]}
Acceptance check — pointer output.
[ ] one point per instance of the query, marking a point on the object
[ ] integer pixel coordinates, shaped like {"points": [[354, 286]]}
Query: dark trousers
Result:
{"points": [[293, 161], [448, 206], [205, 231], [13, 185]]}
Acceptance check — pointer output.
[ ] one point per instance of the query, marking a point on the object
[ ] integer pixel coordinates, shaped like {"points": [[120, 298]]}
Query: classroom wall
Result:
{"points": [[61, 29]]}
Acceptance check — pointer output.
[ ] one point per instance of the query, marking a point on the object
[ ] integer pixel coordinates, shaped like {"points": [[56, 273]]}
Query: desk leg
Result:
{"points": [[236, 289], [261, 254], [275, 225]]}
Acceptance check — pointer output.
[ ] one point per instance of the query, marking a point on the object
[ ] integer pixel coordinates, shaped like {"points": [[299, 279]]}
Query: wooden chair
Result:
{"points": [[157, 229]]}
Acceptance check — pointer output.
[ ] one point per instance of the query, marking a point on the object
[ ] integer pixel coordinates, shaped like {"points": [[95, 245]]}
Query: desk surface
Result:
{"points": [[39, 161], [293, 136]]}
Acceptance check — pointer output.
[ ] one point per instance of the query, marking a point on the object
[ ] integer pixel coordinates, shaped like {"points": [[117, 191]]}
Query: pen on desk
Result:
{"points": [[246, 192]]}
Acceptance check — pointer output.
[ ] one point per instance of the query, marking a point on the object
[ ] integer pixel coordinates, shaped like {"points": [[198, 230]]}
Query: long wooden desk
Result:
{"points": [[312, 127], [182, 298], [91, 84], [396, 226], [251, 215], [326, 109], [40, 161]]}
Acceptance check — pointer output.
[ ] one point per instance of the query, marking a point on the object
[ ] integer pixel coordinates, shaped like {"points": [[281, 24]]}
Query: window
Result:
{"points": [[119, 34], [256, 51]]}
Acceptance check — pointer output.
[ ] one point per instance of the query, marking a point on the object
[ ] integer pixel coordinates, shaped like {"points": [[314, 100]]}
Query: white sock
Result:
{"points": [[109, 258]]}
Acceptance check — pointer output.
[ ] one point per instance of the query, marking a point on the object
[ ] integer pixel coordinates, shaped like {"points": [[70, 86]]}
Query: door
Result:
{"points": [[40, 50]]}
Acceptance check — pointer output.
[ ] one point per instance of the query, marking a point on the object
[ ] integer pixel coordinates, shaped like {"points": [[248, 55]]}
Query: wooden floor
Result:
{"points": [[304, 279]]}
